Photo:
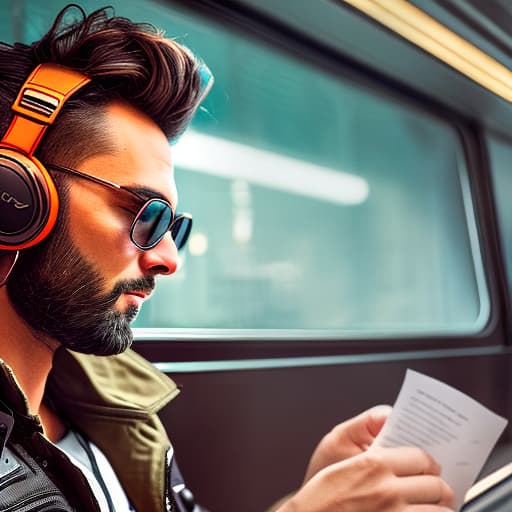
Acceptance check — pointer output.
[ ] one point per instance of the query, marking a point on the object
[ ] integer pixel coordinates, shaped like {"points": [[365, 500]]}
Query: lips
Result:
{"points": [[142, 295], [138, 296]]}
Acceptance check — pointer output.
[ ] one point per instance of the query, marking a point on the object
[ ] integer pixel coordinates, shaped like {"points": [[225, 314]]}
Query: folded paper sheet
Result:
{"points": [[454, 428]]}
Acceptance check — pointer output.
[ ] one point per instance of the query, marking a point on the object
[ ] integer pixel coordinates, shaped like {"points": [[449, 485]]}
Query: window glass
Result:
{"points": [[501, 155], [318, 203]]}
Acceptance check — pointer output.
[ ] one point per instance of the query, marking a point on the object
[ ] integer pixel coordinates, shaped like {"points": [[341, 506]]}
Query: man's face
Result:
{"points": [[85, 283]]}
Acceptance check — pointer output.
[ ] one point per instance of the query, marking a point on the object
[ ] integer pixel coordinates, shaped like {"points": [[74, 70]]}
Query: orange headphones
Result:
{"points": [[28, 198]]}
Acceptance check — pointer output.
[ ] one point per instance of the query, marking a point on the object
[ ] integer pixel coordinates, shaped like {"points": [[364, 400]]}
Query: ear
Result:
{"points": [[7, 261]]}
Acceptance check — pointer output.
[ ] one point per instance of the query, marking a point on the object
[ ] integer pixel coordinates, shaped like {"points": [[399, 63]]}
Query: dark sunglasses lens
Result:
{"points": [[180, 231], [152, 223]]}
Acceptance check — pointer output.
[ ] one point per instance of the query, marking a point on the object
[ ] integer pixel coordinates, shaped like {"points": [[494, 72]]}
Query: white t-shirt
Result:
{"points": [[85, 458]]}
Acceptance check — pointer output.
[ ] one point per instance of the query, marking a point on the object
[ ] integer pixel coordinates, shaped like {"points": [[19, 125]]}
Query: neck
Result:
{"points": [[29, 354]]}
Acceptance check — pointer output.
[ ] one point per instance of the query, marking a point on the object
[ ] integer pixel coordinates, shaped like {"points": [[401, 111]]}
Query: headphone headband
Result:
{"points": [[28, 197], [39, 101]]}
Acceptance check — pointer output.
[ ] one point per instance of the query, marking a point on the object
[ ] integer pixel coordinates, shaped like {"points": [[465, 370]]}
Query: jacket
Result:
{"points": [[114, 402]]}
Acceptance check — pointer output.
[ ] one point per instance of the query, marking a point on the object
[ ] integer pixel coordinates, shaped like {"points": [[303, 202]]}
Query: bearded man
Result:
{"points": [[88, 220]]}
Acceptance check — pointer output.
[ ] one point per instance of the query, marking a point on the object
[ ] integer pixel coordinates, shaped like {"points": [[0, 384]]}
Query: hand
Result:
{"points": [[404, 479], [348, 439]]}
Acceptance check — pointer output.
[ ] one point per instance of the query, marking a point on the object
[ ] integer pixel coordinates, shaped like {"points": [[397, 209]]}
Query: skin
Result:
{"points": [[143, 159], [98, 226], [345, 473]]}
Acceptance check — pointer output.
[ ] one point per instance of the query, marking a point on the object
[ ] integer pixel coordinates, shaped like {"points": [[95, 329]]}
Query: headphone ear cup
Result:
{"points": [[28, 201]]}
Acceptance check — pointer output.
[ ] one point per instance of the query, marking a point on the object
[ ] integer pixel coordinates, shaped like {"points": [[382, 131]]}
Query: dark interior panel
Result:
{"points": [[243, 438]]}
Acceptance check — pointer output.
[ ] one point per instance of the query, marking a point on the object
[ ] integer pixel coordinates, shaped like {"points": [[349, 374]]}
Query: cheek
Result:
{"points": [[102, 234]]}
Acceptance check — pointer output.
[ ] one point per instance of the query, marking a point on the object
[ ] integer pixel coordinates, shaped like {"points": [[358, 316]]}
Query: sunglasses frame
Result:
{"points": [[175, 217]]}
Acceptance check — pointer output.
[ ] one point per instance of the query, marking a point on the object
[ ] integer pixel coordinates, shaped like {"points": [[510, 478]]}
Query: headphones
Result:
{"points": [[28, 198]]}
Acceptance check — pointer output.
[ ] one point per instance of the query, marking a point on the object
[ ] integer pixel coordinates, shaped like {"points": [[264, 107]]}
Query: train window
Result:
{"points": [[7, 22], [501, 155], [320, 204]]}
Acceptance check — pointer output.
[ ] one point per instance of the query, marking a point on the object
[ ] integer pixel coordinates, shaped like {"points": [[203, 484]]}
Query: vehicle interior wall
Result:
{"points": [[243, 438]]}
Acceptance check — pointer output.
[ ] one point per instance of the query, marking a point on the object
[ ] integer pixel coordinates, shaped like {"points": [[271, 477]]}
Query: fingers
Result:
{"points": [[416, 476], [406, 460], [404, 479], [363, 428], [425, 489], [377, 416]]}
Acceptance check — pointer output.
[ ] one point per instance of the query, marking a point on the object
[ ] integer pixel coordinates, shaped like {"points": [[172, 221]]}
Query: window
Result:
{"points": [[319, 203]]}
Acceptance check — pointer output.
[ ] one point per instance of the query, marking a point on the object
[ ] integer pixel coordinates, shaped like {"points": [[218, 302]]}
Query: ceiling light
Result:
{"points": [[424, 31]]}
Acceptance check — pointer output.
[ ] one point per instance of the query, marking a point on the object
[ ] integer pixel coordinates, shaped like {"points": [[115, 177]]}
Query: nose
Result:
{"points": [[161, 259]]}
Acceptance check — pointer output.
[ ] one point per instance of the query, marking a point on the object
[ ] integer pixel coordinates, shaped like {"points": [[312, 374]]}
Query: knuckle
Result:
{"points": [[364, 498], [372, 462], [386, 496]]}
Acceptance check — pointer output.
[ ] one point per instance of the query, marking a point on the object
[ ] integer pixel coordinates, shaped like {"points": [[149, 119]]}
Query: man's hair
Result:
{"points": [[126, 61]]}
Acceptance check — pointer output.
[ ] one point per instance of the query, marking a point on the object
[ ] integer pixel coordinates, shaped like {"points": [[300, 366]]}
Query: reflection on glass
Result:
{"points": [[318, 203]]}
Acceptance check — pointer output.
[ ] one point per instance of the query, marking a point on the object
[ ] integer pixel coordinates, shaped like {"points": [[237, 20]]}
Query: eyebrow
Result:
{"points": [[148, 193]]}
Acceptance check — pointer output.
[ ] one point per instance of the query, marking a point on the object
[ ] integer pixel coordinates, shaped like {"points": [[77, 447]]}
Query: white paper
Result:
{"points": [[454, 428]]}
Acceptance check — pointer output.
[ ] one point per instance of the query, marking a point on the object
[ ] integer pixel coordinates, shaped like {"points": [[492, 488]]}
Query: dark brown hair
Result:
{"points": [[127, 61]]}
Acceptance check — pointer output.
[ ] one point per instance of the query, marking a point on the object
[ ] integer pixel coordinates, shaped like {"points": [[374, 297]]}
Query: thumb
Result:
{"points": [[377, 416], [362, 429]]}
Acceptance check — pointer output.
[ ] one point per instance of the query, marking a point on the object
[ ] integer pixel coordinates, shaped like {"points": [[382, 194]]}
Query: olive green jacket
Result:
{"points": [[114, 401]]}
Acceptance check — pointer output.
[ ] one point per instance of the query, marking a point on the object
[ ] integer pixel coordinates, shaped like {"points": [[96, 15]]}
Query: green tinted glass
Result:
{"points": [[318, 203]]}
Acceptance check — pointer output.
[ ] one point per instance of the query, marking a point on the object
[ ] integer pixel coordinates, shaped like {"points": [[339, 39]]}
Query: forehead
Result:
{"points": [[142, 154]]}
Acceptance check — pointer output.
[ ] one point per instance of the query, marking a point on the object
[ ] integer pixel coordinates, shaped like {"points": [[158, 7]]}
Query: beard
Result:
{"points": [[57, 293]]}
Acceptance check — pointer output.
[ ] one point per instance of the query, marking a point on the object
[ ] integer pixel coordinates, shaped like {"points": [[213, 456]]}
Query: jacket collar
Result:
{"points": [[125, 384], [11, 394], [114, 401]]}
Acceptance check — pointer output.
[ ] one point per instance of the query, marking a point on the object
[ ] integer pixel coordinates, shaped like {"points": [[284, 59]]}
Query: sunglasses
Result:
{"points": [[154, 218]]}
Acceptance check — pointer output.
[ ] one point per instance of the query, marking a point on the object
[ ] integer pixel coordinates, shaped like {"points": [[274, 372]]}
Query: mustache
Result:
{"points": [[144, 284]]}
